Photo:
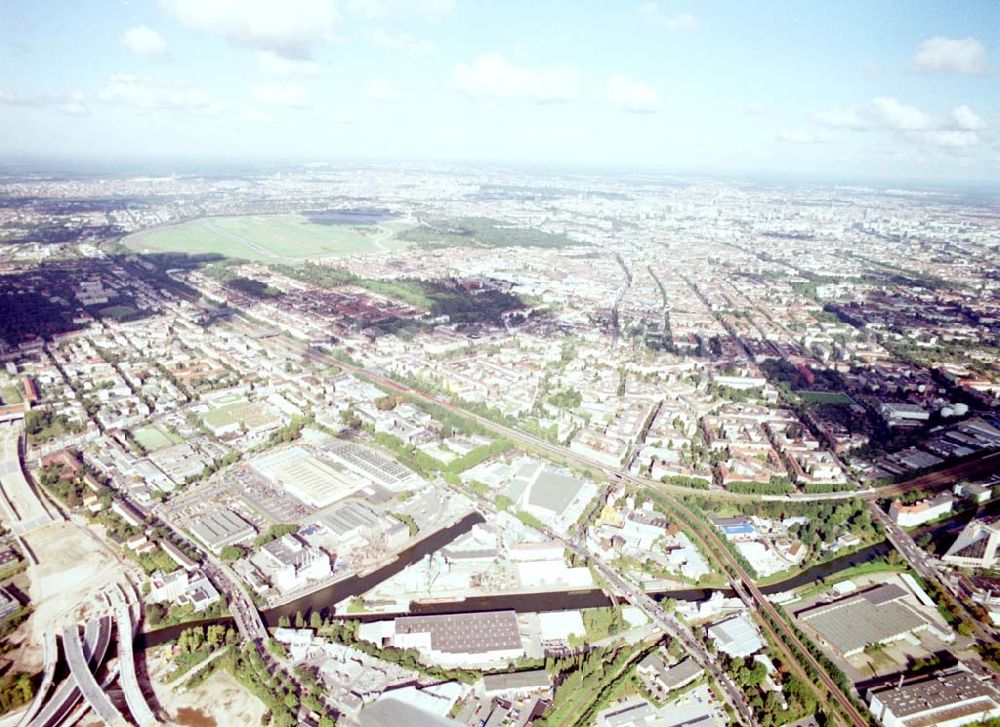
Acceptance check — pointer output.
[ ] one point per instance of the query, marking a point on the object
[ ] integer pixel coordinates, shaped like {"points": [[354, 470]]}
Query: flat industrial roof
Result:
{"points": [[317, 482], [955, 691], [554, 491], [466, 633], [350, 516], [874, 616], [532, 679], [220, 527], [737, 636]]}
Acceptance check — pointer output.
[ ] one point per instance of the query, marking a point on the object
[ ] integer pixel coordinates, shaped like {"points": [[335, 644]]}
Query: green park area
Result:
{"points": [[266, 238], [824, 397], [119, 312]]}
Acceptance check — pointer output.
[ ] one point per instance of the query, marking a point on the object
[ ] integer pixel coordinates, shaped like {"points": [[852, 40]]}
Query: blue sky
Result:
{"points": [[903, 89]]}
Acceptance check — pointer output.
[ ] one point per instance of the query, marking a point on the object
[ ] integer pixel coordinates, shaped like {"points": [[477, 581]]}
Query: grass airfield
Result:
{"points": [[268, 238]]}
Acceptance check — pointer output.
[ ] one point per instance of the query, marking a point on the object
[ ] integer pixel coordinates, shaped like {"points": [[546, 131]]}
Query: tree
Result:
{"points": [[231, 552]]}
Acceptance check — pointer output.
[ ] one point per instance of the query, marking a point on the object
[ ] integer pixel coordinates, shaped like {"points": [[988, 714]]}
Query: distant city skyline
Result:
{"points": [[894, 90]]}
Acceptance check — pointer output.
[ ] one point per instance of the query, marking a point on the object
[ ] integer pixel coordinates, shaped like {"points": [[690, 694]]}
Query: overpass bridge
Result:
{"points": [[50, 649], [96, 638], [81, 672], [80, 691], [134, 698]]}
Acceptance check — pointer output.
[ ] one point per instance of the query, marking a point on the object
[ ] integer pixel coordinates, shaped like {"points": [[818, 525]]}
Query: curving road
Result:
{"points": [[134, 698], [96, 636], [92, 692], [50, 648]]}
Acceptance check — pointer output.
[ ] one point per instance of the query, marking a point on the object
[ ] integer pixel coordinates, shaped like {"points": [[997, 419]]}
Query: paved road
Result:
{"points": [[620, 588], [91, 690], [134, 697], [753, 597], [67, 694], [50, 648], [248, 620], [749, 591], [752, 594], [674, 629], [25, 510], [978, 466], [923, 564]]}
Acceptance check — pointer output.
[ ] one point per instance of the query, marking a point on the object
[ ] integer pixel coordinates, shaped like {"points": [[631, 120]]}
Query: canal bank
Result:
{"points": [[323, 600]]}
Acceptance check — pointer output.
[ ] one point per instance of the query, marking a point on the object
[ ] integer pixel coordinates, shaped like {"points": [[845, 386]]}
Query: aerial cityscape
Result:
{"points": [[385, 439]]}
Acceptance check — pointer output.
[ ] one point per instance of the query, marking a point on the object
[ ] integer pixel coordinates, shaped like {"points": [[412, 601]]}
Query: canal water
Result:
{"points": [[324, 599]]}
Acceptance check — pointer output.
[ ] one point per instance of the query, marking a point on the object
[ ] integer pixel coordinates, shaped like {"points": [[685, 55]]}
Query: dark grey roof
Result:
{"points": [[391, 712], [554, 491], [935, 692], [532, 679], [466, 633], [681, 672], [883, 593]]}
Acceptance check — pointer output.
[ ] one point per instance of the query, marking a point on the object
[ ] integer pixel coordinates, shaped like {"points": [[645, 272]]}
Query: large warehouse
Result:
{"points": [[371, 465], [877, 615], [951, 697], [314, 481], [489, 637], [221, 528]]}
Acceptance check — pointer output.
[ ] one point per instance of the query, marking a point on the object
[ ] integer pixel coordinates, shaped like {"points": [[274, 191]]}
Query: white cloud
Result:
{"points": [[951, 55], [842, 117], [381, 92], [797, 136], [290, 95], [145, 43], [256, 116], [951, 139], [432, 10], [956, 130], [402, 43], [290, 28], [491, 76], [272, 64], [897, 115], [882, 112], [637, 97], [144, 93], [966, 119], [682, 21], [73, 103]]}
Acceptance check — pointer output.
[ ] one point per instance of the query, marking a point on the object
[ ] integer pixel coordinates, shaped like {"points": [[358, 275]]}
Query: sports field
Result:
{"points": [[825, 397], [152, 438], [267, 238], [241, 412]]}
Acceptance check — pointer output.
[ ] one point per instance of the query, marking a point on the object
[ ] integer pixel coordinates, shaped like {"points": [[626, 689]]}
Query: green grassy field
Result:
{"points": [[249, 413], [11, 394], [151, 438], [824, 397], [266, 238], [118, 311]]}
